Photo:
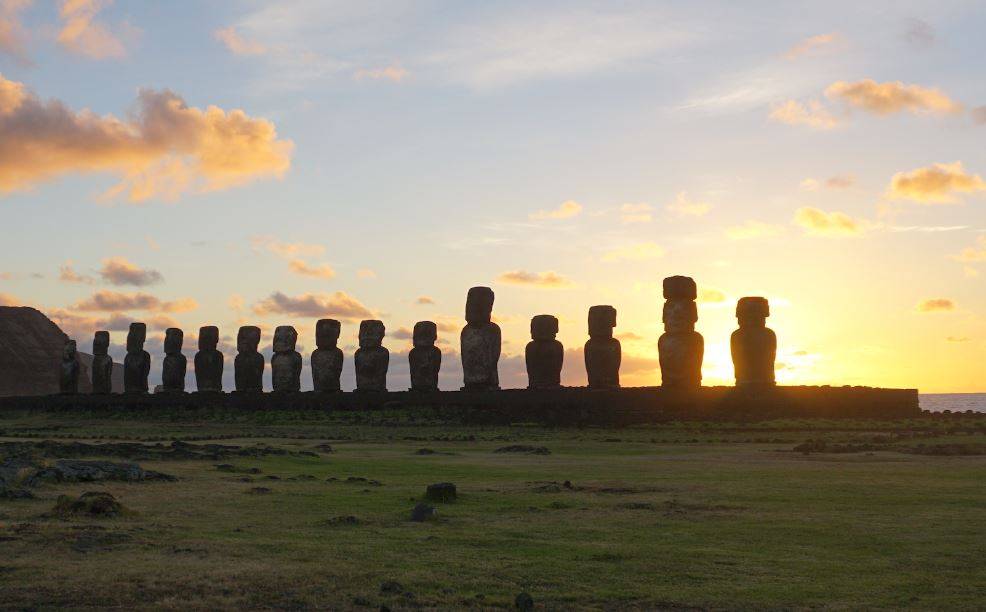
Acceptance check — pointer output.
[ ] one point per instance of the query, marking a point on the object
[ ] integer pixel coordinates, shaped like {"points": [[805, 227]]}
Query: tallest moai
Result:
{"points": [[480, 342], [681, 348]]}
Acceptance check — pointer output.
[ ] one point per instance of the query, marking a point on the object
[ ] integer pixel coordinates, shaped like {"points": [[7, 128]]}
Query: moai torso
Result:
{"points": [[102, 363], [425, 359], [479, 343], [681, 348], [137, 363], [209, 361], [68, 379], [248, 367], [285, 365], [327, 358], [175, 364], [544, 354], [372, 359], [753, 345], [603, 353]]}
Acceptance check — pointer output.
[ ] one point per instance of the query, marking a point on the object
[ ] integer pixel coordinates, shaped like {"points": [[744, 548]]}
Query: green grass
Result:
{"points": [[655, 520]]}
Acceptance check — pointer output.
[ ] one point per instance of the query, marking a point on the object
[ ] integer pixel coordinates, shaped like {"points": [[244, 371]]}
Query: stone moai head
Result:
{"points": [[680, 288], [425, 334], [680, 315], [208, 338], [479, 305], [602, 320], [327, 333], [173, 339], [285, 339], [101, 343], [752, 311], [68, 351], [136, 337], [248, 339], [544, 327], [371, 333]]}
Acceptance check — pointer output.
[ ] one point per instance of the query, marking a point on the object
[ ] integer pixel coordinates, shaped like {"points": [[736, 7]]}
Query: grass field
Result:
{"points": [[680, 515]]}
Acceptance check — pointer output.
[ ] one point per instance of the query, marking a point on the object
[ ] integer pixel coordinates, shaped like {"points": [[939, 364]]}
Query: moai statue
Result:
{"points": [[137, 363], [175, 364], [248, 367], [681, 348], [753, 345], [209, 361], [544, 354], [425, 358], [285, 365], [68, 380], [602, 351], [480, 342], [371, 359], [102, 363], [327, 358]]}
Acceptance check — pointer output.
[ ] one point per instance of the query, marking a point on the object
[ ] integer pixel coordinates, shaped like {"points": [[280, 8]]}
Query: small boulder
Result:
{"points": [[441, 492], [423, 512], [524, 601], [90, 503], [391, 587]]}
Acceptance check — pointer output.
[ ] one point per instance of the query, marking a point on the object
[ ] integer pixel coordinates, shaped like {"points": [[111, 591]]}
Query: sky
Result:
{"points": [[231, 163]]}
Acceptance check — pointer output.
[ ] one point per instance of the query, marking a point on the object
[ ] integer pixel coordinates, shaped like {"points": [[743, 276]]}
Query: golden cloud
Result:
{"points": [[10, 300], [424, 299], [67, 274], [83, 34], [635, 213], [163, 150], [12, 33], [835, 224], [339, 305], [546, 280], [711, 296], [979, 114], [112, 301], [300, 266], [812, 114], [936, 305], [892, 97], [640, 251], [812, 44], [973, 254], [82, 326], [684, 207], [753, 229], [568, 208], [366, 273], [935, 184], [389, 73], [237, 44], [287, 250], [119, 271]]}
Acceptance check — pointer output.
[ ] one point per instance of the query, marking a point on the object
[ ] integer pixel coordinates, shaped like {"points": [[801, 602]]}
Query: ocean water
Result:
{"points": [[956, 402]]}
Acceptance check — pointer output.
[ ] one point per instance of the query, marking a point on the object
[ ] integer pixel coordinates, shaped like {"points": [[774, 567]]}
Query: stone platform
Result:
{"points": [[571, 406]]}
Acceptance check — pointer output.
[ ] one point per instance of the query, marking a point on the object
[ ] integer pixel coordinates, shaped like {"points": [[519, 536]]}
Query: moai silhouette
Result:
{"points": [[480, 342], [602, 351], [681, 348], [285, 365], [209, 361], [327, 358], [425, 358], [102, 363], [68, 380], [753, 345], [544, 354], [137, 363], [248, 367], [372, 359], [175, 364]]}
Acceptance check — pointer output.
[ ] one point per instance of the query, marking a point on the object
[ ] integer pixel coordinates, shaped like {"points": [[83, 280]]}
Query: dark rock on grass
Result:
{"points": [[424, 451], [362, 602], [524, 448], [72, 470], [423, 512], [98, 540], [90, 504], [340, 521], [391, 587], [637, 506], [324, 448], [229, 467], [441, 492], [226, 467], [360, 479], [524, 601], [12, 494], [301, 477], [258, 491], [947, 450]]}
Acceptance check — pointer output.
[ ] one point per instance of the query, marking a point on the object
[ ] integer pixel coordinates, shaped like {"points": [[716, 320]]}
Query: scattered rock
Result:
{"points": [[391, 587], [637, 506], [91, 503], [325, 447], [568, 485], [177, 450], [441, 492], [524, 601], [424, 451], [12, 494], [524, 448], [423, 512], [341, 521], [258, 491], [226, 467], [72, 470]]}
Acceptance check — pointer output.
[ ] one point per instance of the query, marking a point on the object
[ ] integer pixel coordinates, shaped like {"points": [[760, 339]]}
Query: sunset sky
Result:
{"points": [[271, 163]]}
